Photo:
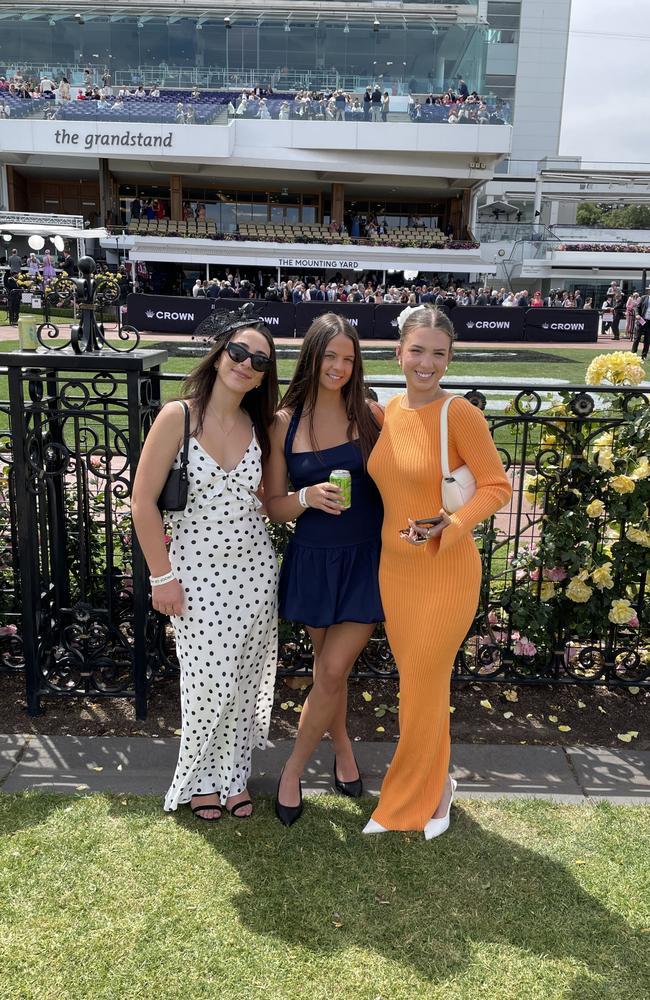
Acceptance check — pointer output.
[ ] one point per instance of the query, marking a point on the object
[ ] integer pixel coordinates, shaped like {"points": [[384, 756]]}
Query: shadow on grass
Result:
{"points": [[426, 907], [325, 887]]}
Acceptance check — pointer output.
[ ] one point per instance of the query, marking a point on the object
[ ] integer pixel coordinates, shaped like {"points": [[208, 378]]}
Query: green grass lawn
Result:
{"points": [[571, 370], [107, 897]]}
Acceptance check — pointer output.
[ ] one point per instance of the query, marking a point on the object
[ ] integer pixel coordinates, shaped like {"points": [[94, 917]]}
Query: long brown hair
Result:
{"points": [[303, 388], [259, 403]]}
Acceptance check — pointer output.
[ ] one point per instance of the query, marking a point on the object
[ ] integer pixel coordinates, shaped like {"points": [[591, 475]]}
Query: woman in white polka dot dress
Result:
{"points": [[218, 582]]}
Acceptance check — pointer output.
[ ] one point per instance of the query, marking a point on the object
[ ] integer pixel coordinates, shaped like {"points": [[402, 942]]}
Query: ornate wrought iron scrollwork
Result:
{"points": [[92, 294]]}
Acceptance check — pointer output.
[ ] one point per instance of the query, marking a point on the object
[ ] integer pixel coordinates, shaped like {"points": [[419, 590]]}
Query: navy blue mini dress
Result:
{"points": [[330, 569]]}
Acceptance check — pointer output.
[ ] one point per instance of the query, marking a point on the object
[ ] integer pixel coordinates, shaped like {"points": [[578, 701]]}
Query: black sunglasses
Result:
{"points": [[238, 353]]}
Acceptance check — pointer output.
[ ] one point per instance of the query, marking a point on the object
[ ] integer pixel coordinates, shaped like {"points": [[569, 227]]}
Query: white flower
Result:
{"points": [[404, 315]]}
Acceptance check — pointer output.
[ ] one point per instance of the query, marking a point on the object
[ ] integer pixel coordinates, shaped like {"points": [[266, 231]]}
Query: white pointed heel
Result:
{"points": [[435, 827], [373, 827]]}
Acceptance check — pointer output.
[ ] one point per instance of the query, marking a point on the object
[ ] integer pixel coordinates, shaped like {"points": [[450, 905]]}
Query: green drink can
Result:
{"points": [[343, 479]]}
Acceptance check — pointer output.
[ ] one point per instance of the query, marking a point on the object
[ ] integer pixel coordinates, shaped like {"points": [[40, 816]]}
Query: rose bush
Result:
{"points": [[590, 500]]}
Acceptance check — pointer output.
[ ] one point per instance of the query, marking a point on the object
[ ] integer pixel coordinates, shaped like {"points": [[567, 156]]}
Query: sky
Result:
{"points": [[608, 82]]}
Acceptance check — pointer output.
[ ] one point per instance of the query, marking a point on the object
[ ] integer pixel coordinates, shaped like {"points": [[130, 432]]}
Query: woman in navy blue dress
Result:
{"points": [[329, 575]]}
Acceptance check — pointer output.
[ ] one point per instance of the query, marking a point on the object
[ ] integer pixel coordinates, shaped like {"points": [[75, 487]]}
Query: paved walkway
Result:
{"points": [[143, 766], [604, 342]]}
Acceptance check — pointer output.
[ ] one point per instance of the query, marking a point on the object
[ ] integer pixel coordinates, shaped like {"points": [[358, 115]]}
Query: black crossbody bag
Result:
{"points": [[173, 495]]}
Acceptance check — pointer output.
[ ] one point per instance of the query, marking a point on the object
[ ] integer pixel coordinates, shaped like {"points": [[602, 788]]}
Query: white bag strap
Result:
{"points": [[444, 440]]}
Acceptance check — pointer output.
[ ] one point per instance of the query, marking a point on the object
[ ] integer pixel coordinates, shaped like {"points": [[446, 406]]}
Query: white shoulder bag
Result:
{"points": [[458, 486]]}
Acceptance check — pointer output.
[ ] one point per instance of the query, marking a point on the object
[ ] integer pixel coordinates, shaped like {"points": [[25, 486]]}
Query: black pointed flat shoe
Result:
{"points": [[288, 814], [353, 789]]}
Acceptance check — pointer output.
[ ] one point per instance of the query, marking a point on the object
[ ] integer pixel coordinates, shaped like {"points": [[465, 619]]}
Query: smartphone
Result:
{"points": [[428, 522]]}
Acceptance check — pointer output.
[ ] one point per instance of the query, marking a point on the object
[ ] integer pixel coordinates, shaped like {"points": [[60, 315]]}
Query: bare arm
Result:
{"points": [[158, 453], [282, 506]]}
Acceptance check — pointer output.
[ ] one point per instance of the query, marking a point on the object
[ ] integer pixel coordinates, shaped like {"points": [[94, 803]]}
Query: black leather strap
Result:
{"points": [[186, 440]]}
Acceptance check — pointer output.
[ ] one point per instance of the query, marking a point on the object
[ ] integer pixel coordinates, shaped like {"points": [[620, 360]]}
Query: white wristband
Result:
{"points": [[302, 497], [157, 581]]}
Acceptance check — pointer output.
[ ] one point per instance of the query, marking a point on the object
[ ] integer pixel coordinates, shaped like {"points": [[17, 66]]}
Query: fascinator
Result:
{"points": [[222, 322], [404, 315]]}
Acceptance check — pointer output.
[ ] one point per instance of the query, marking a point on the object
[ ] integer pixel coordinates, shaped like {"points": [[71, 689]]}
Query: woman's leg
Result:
{"points": [[346, 767], [340, 648]]}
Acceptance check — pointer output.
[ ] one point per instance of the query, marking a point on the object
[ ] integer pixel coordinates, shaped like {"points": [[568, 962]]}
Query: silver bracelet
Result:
{"points": [[302, 497], [157, 581]]}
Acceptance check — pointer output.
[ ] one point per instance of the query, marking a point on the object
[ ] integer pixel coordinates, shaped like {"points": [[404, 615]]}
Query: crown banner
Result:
{"points": [[489, 323], [386, 319], [280, 317], [359, 314], [167, 313], [556, 326]]}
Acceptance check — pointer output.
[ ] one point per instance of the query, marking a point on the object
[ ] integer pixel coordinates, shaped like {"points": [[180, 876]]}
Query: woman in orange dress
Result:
{"points": [[429, 576]]}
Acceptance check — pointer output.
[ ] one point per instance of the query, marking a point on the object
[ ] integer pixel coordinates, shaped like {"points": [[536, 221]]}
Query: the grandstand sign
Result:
{"points": [[100, 139]]}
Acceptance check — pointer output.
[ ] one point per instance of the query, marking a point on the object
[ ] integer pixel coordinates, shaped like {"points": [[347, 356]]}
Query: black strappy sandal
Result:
{"points": [[240, 805], [197, 810]]}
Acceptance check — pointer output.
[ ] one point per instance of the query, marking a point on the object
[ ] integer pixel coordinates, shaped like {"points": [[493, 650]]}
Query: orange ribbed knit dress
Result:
{"points": [[429, 592]]}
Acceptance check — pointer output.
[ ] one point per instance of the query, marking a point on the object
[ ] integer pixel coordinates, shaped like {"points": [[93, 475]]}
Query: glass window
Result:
{"points": [[181, 51]]}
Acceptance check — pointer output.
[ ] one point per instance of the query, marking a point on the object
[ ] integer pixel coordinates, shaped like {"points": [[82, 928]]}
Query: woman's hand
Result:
{"points": [[419, 534], [168, 598], [326, 497]]}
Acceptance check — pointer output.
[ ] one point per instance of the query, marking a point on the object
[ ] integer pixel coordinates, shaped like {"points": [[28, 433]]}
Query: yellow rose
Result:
{"points": [[634, 374], [530, 484], [622, 484], [605, 440], [617, 367], [639, 537], [642, 469], [578, 592], [596, 508], [605, 459], [621, 612], [547, 591], [549, 439], [602, 577]]}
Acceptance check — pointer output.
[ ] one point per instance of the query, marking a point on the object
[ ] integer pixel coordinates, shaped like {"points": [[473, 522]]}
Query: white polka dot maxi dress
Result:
{"points": [[226, 638]]}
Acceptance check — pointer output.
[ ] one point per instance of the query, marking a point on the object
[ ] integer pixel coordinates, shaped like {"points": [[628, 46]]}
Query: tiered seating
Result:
{"points": [[270, 232], [409, 236], [282, 233], [172, 227], [418, 236]]}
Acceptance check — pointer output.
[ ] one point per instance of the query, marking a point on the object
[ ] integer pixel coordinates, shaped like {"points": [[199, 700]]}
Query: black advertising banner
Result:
{"points": [[358, 314], [386, 314], [173, 314], [386, 321], [555, 326], [278, 316], [493, 323]]}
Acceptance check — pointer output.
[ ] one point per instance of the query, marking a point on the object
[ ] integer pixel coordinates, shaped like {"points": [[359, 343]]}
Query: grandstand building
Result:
{"points": [[263, 186]]}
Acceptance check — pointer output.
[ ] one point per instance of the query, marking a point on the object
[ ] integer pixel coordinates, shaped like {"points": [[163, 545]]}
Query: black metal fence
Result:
{"points": [[565, 566]]}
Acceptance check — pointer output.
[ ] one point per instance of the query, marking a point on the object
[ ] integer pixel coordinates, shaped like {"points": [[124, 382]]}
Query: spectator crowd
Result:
{"points": [[373, 291]]}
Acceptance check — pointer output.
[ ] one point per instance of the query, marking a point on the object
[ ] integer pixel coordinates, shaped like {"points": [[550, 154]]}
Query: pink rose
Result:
{"points": [[535, 574], [520, 574], [633, 622], [556, 574], [524, 647], [492, 618], [168, 539], [12, 629]]}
